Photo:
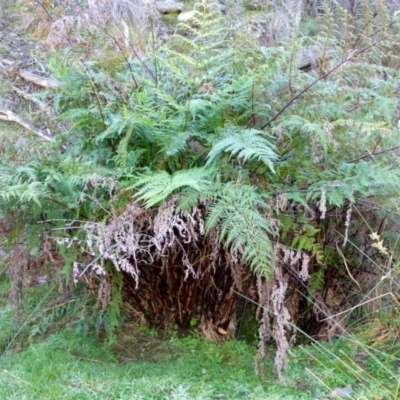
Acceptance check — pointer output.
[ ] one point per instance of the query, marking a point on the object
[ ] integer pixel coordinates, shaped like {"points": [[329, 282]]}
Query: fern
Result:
{"points": [[246, 144], [239, 211], [307, 241], [22, 193], [185, 120], [157, 187]]}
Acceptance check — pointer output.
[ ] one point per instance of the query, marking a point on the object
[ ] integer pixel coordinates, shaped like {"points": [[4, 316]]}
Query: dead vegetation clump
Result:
{"points": [[174, 274], [120, 25]]}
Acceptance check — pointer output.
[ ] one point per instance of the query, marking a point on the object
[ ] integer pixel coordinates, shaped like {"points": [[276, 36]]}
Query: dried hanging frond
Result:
{"points": [[298, 260], [123, 241], [134, 238], [263, 316], [281, 325], [172, 230], [347, 224], [276, 321], [18, 265], [322, 204], [104, 294], [282, 316]]}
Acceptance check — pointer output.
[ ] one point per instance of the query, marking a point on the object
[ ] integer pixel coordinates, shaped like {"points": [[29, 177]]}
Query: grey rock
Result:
{"points": [[187, 16], [307, 58], [342, 393], [169, 7], [253, 6]]}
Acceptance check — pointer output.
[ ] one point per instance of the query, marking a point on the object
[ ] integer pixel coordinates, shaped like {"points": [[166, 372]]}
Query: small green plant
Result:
{"points": [[194, 322]]}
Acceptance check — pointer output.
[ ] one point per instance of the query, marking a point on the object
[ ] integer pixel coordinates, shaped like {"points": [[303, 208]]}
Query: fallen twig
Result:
{"points": [[9, 116], [41, 104], [39, 80]]}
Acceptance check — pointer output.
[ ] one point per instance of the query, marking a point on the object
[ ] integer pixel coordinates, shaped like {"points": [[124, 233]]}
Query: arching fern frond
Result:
{"points": [[247, 144], [157, 187], [238, 210], [22, 192], [20, 185]]}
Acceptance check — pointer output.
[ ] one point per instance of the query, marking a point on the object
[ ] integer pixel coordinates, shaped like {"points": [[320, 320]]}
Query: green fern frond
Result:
{"points": [[28, 172], [307, 241], [157, 187], [176, 143], [199, 106], [246, 144], [190, 197], [23, 192], [123, 148], [240, 212], [350, 181], [74, 114]]}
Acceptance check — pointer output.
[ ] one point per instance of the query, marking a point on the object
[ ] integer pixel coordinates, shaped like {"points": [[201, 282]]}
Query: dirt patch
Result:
{"points": [[134, 343], [133, 346]]}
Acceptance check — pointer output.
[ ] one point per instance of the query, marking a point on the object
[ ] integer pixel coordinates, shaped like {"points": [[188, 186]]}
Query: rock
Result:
{"points": [[344, 392], [169, 7], [307, 58], [254, 6], [162, 32], [185, 17]]}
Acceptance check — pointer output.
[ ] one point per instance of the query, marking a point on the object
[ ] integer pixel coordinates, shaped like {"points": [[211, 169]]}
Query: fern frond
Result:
{"points": [[23, 192], [244, 228], [246, 144], [357, 180], [157, 187], [175, 144], [20, 185]]}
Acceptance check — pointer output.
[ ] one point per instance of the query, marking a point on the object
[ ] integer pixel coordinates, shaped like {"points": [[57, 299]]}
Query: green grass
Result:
{"points": [[71, 366], [45, 355]]}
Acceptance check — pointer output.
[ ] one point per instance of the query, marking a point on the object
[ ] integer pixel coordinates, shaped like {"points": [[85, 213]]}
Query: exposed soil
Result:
{"points": [[142, 347]]}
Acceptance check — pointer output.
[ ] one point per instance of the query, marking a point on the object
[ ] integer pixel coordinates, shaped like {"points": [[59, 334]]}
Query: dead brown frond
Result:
{"points": [[264, 317], [18, 267], [278, 309], [23, 268], [126, 21], [171, 272], [134, 13], [34, 19]]}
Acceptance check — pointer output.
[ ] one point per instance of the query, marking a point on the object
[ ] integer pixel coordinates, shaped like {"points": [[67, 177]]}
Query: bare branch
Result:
{"points": [[370, 155]]}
